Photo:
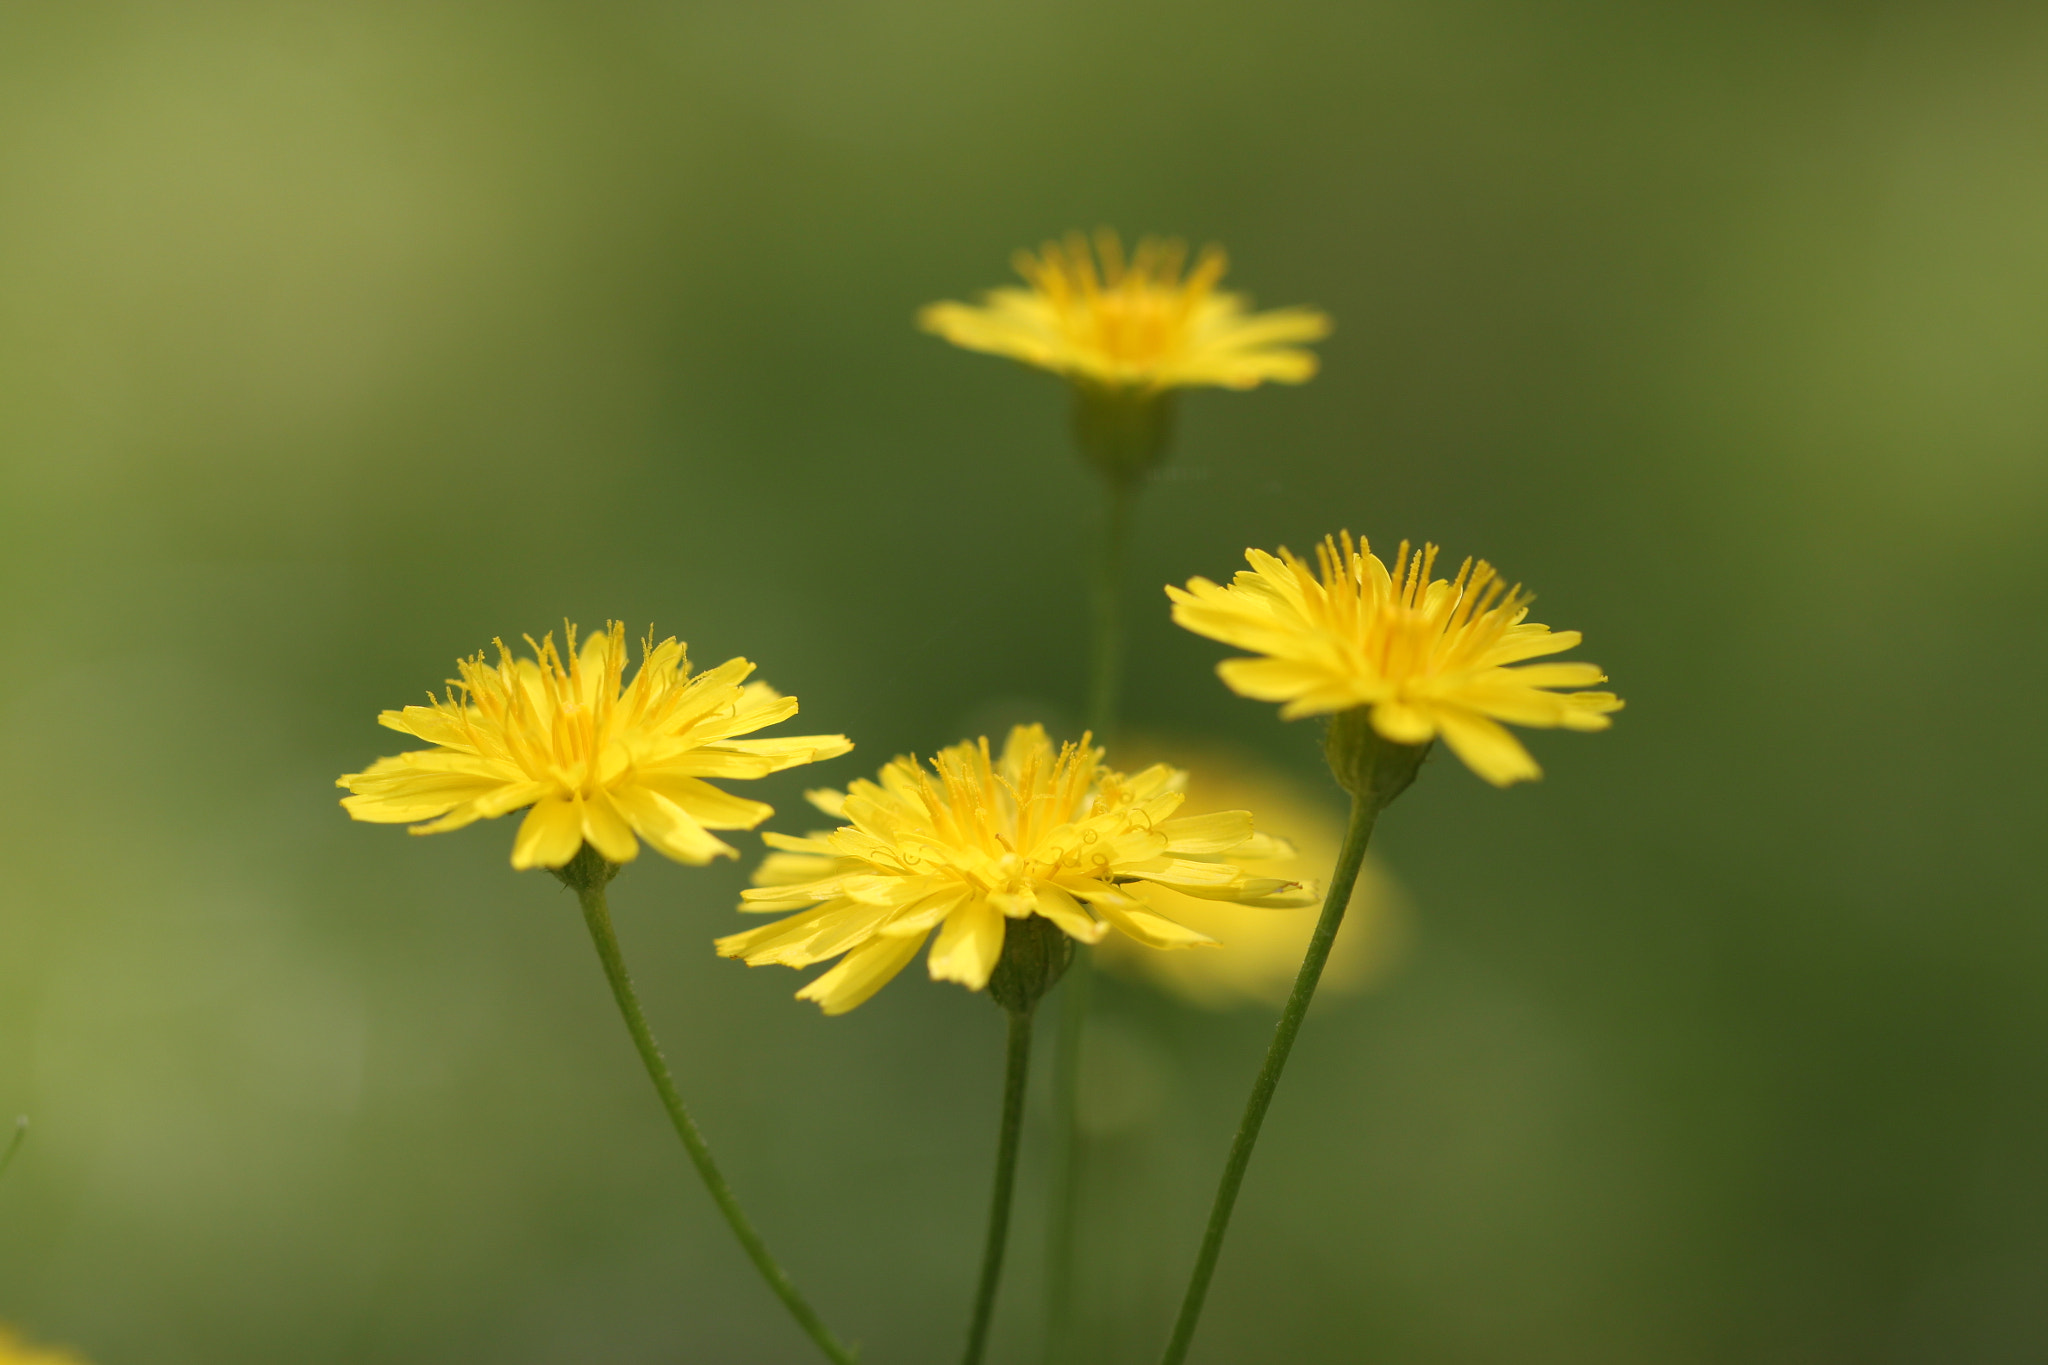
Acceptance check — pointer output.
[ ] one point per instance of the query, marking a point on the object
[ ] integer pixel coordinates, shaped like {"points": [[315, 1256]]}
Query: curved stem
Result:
{"points": [[1016, 1068], [1364, 810], [598, 917]]}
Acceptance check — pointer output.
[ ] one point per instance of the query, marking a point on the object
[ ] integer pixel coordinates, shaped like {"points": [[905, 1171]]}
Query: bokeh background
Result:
{"points": [[337, 339]]}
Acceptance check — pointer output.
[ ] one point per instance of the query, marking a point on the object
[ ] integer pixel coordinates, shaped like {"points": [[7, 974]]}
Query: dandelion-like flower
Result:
{"points": [[1262, 949], [1429, 656], [598, 759], [1135, 323], [976, 842]]}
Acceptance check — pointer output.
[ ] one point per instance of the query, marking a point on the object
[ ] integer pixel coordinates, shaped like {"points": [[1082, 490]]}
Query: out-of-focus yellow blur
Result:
{"points": [[1262, 949]]}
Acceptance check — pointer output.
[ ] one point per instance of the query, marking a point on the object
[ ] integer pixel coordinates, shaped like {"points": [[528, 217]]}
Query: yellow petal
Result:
{"points": [[1183, 874], [383, 810], [607, 830], [1558, 675], [861, 973], [1147, 926], [1217, 833], [1063, 910], [855, 925], [1270, 893], [921, 917], [1531, 642], [767, 943], [708, 763], [968, 945], [1487, 747], [1402, 723], [706, 804], [432, 724], [811, 843], [667, 826], [797, 869], [549, 835]]}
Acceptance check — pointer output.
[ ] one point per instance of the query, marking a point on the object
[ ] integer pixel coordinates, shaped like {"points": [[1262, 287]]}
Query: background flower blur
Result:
{"points": [[338, 339]]}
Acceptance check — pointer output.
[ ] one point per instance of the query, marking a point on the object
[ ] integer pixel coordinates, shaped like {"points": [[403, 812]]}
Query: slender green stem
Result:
{"points": [[1016, 1069], [1105, 673], [598, 917], [1364, 810]]}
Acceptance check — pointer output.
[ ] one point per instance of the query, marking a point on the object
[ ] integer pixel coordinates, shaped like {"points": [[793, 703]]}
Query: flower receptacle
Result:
{"points": [[1373, 768], [1036, 954], [1123, 430], [588, 871]]}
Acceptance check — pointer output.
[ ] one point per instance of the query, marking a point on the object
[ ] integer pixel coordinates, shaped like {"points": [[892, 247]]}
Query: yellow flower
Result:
{"points": [[1262, 949], [1034, 832], [14, 1351], [1136, 324], [597, 758], [1429, 656]]}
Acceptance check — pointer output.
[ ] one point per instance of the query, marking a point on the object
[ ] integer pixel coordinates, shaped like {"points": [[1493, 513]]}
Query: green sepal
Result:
{"points": [[587, 871], [1373, 768], [1123, 430], [1036, 954]]}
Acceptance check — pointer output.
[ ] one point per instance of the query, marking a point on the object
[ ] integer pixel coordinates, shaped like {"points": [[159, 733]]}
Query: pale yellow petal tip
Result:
{"points": [[938, 317], [831, 746]]}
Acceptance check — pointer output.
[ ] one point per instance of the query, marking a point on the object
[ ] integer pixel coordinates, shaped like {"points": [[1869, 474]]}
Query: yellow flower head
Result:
{"points": [[597, 758], [1430, 656], [1262, 948], [14, 1351], [1133, 324], [979, 841]]}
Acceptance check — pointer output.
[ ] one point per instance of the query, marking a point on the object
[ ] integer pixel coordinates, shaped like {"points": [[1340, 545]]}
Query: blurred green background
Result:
{"points": [[337, 339]]}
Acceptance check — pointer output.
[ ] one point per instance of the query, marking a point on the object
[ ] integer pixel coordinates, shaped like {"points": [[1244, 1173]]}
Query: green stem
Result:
{"points": [[1105, 675], [1016, 1068], [598, 917], [1364, 810]]}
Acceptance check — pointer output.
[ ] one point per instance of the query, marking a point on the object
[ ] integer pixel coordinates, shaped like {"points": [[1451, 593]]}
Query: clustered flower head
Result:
{"points": [[1133, 323], [1430, 657], [978, 841], [596, 758]]}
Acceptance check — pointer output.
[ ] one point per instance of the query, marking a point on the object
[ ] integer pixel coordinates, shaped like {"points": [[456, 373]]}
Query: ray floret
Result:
{"points": [[1145, 321], [1429, 657], [973, 841], [591, 756]]}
